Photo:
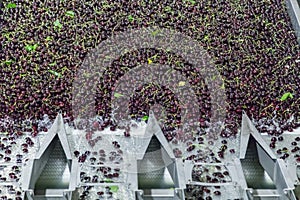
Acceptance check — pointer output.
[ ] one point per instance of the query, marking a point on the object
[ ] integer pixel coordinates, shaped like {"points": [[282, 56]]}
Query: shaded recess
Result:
{"points": [[153, 172], [256, 176], [56, 173]]}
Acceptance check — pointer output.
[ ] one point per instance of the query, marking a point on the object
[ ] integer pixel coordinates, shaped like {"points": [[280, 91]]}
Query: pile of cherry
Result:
{"points": [[98, 165], [15, 149], [102, 193], [211, 174], [205, 192], [252, 45]]}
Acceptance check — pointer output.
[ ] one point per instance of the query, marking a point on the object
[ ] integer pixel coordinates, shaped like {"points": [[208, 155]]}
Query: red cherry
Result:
{"points": [[126, 134], [8, 151], [88, 135], [272, 145], [7, 159], [232, 151], [280, 138], [34, 133]]}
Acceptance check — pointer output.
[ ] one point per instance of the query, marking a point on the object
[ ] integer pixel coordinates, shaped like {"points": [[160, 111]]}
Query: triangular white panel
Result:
{"points": [[57, 128], [248, 129], [53, 157], [153, 128]]}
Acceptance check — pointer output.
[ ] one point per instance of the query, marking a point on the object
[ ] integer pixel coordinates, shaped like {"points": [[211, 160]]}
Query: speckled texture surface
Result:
{"points": [[254, 172], [154, 172], [53, 175]]}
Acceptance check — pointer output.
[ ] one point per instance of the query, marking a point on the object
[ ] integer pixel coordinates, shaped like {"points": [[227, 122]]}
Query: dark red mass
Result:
{"points": [[252, 46]]}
